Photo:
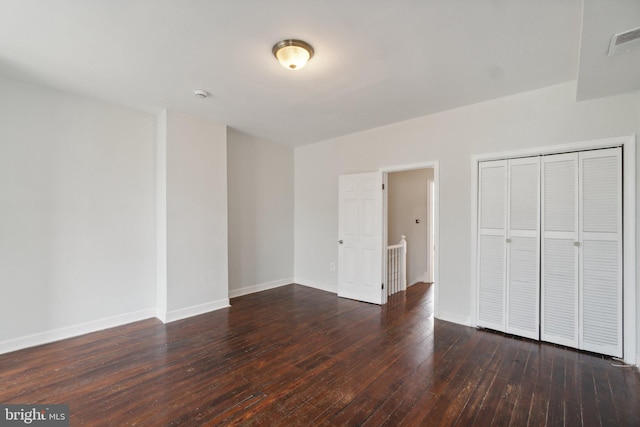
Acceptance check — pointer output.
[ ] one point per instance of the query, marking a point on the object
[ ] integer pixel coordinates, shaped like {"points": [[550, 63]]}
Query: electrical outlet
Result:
{"points": [[332, 266]]}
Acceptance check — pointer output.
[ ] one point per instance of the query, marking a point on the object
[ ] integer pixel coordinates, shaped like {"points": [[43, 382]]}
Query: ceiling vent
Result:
{"points": [[624, 42]]}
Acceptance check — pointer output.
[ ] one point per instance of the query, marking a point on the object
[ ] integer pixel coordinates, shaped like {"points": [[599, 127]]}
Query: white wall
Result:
{"points": [[77, 227], [539, 118], [260, 189], [196, 200], [107, 215], [407, 201], [78, 201]]}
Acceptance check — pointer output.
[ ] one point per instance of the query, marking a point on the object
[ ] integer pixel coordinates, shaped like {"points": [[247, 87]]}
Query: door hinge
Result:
{"points": [[383, 186], [383, 286]]}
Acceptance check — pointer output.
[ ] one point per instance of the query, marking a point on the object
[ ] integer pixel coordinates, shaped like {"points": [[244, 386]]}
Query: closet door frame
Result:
{"points": [[631, 353]]}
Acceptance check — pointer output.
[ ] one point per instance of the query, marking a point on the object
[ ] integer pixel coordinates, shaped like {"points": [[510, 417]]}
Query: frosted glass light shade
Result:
{"points": [[293, 54]]}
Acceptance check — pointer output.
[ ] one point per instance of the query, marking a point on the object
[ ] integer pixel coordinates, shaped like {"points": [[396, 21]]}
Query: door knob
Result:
{"points": [[340, 241], [576, 244]]}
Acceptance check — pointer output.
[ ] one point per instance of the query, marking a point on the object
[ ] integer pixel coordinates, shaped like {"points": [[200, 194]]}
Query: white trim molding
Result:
{"points": [[313, 284], [416, 280], [455, 318], [195, 310], [260, 287], [161, 214], [74, 330], [628, 144]]}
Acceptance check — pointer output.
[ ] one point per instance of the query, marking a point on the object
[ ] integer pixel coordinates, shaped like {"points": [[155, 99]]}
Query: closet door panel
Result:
{"points": [[600, 191], [491, 244], [561, 193], [601, 251], [601, 298], [523, 194], [523, 219], [491, 282], [560, 292], [523, 307], [493, 195], [559, 284]]}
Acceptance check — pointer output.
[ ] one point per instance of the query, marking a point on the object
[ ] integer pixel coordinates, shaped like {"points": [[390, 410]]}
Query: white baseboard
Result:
{"points": [[161, 314], [259, 287], [314, 284], [417, 279], [195, 310], [74, 330], [454, 318]]}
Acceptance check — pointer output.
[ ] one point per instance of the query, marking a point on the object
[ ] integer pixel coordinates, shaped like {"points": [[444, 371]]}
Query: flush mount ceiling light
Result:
{"points": [[292, 54]]}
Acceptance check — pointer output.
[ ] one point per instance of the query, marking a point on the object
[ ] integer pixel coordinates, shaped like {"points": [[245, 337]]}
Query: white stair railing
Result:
{"points": [[397, 267]]}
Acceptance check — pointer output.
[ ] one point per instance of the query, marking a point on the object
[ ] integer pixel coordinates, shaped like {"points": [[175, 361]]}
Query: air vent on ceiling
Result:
{"points": [[624, 42]]}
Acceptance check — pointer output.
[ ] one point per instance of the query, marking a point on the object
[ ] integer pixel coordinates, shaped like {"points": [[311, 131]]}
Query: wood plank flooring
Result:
{"points": [[299, 356]]}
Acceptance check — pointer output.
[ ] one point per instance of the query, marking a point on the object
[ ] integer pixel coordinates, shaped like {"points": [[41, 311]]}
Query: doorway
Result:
{"points": [[410, 208], [409, 211]]}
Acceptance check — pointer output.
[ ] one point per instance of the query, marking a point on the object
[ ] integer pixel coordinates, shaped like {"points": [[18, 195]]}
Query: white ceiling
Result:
{"points": [[376, 62]]}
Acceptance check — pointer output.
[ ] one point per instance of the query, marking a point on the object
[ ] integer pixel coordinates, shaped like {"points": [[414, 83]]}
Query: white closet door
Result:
{"points": [[559, 284], [523, 245], [601, 251], [492, 204]]}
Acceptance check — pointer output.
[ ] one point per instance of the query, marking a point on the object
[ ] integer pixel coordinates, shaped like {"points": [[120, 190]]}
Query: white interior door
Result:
{"points": [[523, 247], [601, 251], [550, 248], [560, 243], [360, 234], [582, 250], [492, 220]]}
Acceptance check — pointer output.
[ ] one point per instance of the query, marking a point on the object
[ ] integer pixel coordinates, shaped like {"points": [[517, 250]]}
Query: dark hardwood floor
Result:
{"points": [[299, 356]]}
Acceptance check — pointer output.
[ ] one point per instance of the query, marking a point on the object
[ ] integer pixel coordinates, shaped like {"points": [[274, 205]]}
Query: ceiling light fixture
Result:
{"points": [[292, 54]]}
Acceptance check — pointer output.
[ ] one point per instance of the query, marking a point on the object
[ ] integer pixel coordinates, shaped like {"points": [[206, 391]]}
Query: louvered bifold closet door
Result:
{"points": [[601, 251], [523, 247], [559, 284], [492, 207]]}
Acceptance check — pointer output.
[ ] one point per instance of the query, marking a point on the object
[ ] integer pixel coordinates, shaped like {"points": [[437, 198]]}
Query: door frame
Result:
{"points": [[435, 165], [431, 226], [628, 144]]}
